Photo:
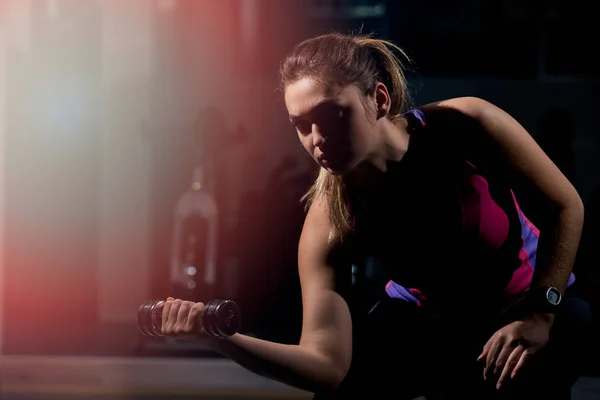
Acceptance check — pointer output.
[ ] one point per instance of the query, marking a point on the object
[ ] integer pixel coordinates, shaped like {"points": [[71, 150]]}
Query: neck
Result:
{"points": [[391, 147]]}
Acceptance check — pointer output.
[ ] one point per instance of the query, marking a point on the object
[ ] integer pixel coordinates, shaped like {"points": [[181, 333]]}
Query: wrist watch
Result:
{"points": [[544, 299]]}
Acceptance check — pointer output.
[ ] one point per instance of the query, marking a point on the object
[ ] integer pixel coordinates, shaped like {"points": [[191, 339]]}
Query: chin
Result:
{"points": [[335, 172], [339, 169]]}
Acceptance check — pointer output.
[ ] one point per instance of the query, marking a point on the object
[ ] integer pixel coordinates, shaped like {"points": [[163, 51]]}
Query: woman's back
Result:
{"points": [[447, 229]]}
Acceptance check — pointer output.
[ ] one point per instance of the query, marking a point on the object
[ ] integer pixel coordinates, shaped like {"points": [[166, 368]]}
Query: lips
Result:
{"points": [[328, 159], [324, 158], [326, 162]]}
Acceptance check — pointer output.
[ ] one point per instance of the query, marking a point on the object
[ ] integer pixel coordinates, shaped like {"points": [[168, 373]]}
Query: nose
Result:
{"points": [[317, 138]]}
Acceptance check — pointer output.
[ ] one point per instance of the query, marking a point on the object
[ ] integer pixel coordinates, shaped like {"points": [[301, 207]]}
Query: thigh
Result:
{"points": [[392, 349]]}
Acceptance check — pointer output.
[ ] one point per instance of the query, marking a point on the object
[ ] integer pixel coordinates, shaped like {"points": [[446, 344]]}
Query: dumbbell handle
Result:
{"points": [[219, 318]]}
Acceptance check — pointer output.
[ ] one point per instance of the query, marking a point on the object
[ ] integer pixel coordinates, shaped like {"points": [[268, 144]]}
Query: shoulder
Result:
{"points": [[469, 106], [458, 124], [460, 116]]}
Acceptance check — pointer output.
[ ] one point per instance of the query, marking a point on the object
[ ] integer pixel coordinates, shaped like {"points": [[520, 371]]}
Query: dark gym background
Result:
{"points": [[125, 125]]}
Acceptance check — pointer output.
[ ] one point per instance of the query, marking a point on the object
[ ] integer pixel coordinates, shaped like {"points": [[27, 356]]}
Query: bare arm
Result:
{"points": [[503, 138], [322, 358]]}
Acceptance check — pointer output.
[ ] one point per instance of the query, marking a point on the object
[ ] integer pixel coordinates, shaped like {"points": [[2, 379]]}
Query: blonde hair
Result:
{"points": [[341, 59]]}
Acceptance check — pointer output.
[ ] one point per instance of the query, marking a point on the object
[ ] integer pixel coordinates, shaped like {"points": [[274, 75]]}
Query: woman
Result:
{"points": [[429, 194]]}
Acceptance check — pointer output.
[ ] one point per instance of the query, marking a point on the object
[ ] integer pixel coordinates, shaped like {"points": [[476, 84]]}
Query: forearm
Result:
{"points": [[293, 365], [557, 248]]}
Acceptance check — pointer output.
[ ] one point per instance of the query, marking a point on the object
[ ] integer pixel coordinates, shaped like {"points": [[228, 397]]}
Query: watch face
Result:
{"points": [[554, 296]]}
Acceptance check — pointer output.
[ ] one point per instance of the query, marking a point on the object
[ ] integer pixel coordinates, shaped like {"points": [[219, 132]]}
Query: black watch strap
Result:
{"points": [[544, 299]]}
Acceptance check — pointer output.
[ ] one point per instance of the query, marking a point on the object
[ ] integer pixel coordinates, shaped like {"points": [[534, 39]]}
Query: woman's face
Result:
{"points": [[334, 123]]}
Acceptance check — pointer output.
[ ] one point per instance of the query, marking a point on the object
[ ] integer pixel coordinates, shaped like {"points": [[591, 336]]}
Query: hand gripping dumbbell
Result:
{"points": [[219, 318]]}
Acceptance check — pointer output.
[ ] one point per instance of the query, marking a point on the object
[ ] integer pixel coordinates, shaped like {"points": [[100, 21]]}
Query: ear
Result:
{"points": [[382, 100]]}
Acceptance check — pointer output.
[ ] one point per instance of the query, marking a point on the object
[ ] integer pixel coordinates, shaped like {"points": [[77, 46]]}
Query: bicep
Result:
{"points": [[327, 325]]}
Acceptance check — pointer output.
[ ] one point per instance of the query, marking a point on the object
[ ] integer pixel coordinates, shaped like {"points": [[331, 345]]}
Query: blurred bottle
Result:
{"points": [[193, 269]]}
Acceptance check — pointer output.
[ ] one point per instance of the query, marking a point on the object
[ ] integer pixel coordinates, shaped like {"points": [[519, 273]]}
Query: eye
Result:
{"points": [[303, 127], [331, 118], [335, 112]]}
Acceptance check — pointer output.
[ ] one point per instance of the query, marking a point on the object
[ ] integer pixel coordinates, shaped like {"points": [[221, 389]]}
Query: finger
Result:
{"points": [[192, 320], [172, 318], [486, 349], [503, 355], [182, 316], [511, 362], [491, 357], [523, 360], [165, 315]]}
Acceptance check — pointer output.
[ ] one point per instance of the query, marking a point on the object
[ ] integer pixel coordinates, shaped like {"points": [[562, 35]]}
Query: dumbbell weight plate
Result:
{"points": [[221, 318], [143, 321], [149, 318], [156, 317], [209, 320], [229, 318]]}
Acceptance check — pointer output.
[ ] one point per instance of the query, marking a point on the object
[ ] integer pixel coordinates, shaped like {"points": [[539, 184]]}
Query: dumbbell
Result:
{"points": [[219, 318]]}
